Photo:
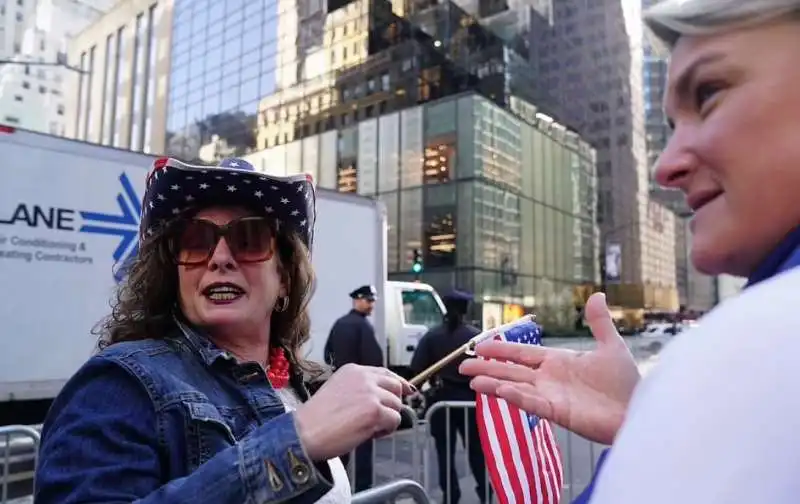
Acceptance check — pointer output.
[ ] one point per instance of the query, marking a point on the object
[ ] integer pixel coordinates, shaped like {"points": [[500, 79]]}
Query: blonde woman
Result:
{"points": [[717, 420]]}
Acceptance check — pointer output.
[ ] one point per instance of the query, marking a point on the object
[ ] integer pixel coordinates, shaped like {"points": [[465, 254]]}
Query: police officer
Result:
{"points": [[352, 340], [449, 385]]}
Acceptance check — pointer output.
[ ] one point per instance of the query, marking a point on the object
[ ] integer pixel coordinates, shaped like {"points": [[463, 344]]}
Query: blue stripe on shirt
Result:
{"points": [[584, 497]]}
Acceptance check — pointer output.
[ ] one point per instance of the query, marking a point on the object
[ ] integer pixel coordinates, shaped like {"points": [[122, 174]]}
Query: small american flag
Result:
{"points": [[522, 455]]}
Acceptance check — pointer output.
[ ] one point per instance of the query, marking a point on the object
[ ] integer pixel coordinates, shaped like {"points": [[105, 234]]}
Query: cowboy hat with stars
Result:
{"points": [[174, 187]]}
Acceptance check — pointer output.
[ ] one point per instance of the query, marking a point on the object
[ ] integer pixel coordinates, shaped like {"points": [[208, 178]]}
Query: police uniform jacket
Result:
{"points": [[352, 340]]}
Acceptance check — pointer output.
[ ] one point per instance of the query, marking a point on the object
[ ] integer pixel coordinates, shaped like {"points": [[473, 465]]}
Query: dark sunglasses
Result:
{"points": [[193, 241]]}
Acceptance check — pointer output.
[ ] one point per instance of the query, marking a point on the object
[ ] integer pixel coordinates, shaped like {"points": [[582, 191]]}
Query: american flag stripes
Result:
{"points": [[522, 455]]}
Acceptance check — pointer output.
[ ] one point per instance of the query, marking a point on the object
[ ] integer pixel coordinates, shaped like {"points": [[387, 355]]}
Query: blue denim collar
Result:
{"points": [[783, 258], [208, 351]]}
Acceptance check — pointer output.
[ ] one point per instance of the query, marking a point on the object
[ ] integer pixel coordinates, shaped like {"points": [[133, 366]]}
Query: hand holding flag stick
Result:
{"points": [[467, 348], [586, 392]]}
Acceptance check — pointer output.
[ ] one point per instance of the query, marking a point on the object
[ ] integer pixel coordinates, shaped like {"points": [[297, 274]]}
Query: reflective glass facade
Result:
{"points": [[247, 76], [407, 102], [496, 205]]}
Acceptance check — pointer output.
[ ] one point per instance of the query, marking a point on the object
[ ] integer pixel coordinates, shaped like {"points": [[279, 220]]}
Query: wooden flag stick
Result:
{"points": [[466, 348]]}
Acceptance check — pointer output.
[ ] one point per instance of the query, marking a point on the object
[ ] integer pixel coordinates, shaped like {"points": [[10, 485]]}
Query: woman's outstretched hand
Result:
{"points": [[585, 392], [356, 404]]}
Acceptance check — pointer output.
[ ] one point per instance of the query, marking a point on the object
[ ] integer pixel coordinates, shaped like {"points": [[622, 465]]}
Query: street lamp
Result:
{"points": [[60, 62]]}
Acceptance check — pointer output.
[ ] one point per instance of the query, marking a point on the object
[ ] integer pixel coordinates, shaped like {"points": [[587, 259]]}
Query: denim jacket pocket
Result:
{"points": [[207, 432]]}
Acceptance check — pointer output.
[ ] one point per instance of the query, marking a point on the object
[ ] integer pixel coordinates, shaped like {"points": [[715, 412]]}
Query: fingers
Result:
{"points": [[389, 399], [405, 387], [389, 413], [522, 395], [599, 319], [526, 398], [527, 355], [499, 370]]}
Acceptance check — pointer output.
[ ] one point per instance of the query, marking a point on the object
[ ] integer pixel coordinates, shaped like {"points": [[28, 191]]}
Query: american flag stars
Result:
{"points": [[174, 187]]}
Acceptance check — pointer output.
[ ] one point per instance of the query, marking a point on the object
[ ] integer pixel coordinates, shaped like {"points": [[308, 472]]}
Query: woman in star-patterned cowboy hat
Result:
{"points": [[197, 394]]}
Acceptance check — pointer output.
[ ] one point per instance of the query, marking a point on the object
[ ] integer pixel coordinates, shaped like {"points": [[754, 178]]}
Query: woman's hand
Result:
{"points": [[356, 404], [585, 392]]}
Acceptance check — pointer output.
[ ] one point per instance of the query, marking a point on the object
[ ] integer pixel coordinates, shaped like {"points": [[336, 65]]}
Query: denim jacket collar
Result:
{"points": [[210, 353], [783, 258], [207, 350]]}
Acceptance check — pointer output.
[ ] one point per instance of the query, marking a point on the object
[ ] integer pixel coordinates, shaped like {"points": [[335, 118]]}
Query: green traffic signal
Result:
{"points": [[416, 268]]}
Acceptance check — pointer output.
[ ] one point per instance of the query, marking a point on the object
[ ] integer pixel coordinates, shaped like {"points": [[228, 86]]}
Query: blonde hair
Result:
{"points": [[671, 19]]}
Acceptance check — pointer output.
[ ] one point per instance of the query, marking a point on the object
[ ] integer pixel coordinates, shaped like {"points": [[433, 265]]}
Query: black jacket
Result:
{"points": [[352, 340]]}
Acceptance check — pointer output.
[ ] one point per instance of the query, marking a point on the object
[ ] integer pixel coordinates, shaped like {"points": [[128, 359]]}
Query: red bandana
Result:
{"points": [[278, 372]]}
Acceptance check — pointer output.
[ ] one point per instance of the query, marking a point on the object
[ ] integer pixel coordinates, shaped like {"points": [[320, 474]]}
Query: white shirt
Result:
{"points": [[718, 419], [340, 493]]}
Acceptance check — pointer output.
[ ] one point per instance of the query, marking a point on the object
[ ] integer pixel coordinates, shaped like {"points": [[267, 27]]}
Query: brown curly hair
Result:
{"points": [[145, 300]]}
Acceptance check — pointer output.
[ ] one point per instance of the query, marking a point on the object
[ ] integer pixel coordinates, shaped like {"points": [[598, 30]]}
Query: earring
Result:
{"points": [[283, 304]]}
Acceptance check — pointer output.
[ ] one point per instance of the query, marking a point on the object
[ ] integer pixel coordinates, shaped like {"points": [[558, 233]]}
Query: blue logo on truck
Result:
{"points": [[124, 225]]}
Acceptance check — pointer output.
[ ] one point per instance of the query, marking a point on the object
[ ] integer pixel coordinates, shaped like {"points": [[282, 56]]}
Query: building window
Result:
{"points": [[440, 237], [88, 117], [114, 96], [82, 91], [346, 166], [140, 42], [440, 158], [108, 80], [347, 176]]}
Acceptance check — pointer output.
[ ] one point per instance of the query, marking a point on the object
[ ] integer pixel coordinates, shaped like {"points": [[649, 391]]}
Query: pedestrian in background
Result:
{"points": [[352, 341], [448, 384], [714, 422]]}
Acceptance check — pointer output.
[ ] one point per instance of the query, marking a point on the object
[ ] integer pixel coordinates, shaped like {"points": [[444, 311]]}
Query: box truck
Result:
{"points": [[69, 215]]}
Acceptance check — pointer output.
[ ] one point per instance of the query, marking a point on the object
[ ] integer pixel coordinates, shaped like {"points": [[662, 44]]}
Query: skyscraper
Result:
{"points": [[33, 41], [428, 106], [589, 56]]}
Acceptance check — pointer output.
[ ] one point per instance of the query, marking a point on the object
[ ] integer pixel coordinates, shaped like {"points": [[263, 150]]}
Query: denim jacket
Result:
{"points": [[173, 420]]}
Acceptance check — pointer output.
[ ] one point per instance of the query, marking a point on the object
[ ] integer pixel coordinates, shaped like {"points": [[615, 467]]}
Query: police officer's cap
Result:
{"points": [[458, 295], [365, 292]]}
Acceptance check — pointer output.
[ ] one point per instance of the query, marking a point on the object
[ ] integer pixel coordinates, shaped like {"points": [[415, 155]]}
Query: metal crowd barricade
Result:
{"points": [[398, 456], [20, 448], [458, 411], [392, 492], [409, 454]]}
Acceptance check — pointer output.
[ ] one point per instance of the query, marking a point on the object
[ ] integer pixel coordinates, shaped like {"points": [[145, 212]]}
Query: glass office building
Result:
{"points": [[496, 205], [296, 68], [408, 102]]}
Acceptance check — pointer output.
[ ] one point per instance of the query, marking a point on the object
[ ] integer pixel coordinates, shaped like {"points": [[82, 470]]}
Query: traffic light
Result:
{"points": [[416, 265]]}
